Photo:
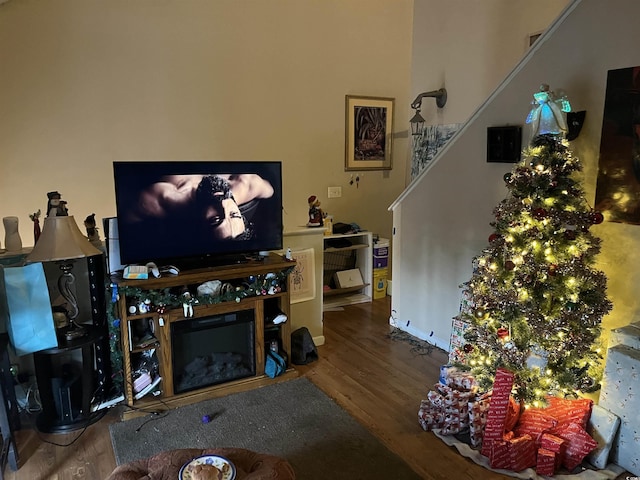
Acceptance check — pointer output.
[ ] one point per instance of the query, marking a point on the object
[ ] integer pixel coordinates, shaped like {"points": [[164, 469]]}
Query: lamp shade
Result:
{"points": [[61, 239], [417, 124]]}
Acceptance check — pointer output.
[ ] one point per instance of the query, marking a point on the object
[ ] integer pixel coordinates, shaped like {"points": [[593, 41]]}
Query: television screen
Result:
{"points": [[205, 212]]}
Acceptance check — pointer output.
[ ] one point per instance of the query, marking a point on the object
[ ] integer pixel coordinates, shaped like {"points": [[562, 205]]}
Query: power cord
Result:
{"points": [[154, 416], [62, 444], [31, 400]]}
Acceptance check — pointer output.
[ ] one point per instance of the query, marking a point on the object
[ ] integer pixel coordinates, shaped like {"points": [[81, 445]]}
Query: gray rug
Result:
{"points": [[293, 419]]}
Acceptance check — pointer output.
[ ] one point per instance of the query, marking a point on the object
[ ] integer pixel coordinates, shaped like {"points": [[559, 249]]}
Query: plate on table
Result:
{"points": [[228, 469]]}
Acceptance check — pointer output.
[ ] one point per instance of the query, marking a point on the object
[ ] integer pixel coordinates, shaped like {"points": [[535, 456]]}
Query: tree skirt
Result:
{"points": [[610, 473]]}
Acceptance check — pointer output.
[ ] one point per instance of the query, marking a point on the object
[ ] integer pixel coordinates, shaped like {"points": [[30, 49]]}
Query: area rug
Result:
{"points": [[293, 419]]}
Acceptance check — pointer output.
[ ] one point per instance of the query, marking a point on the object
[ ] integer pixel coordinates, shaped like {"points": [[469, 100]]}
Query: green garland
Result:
{"points": [[175, 297]]}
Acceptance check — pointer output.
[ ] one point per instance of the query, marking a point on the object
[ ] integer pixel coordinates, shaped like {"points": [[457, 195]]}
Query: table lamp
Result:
{"points": [[62, 242]]}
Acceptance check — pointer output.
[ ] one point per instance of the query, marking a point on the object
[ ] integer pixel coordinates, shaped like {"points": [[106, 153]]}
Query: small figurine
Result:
{"points": [[316, 215], [187, 303], [35, 218], [56, 207], [92, 230]]}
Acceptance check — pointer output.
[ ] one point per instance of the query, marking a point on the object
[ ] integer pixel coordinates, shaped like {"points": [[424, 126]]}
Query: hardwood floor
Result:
{"points": [[379, 378]]}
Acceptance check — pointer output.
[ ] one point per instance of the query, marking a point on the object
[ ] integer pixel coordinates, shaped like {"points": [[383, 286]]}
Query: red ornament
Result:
{"points": [[468, 348], [493, 237], [553, 269], [503, 333], [597, 218], [540, 213], [509, 265]]}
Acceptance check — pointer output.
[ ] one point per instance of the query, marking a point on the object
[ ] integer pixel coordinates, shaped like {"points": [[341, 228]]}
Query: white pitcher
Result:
{"points": [[12, 240]]}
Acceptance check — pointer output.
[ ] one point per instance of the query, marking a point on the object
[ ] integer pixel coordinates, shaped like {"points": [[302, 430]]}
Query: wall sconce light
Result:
{"points": [[417, 122]]}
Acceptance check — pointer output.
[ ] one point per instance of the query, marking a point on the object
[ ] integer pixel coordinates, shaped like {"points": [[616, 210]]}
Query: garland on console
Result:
{"points": [[175, 297]]}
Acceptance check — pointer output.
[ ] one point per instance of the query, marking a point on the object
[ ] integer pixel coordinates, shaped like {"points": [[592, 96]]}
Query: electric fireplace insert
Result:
{"points": [[213, 349]]}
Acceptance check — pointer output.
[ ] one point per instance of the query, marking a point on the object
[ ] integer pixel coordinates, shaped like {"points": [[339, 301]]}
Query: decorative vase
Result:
{"points": [[12, 240]]}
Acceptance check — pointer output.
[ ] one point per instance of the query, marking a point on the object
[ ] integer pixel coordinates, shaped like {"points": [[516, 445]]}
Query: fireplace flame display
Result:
{"points": [[211, 350]]}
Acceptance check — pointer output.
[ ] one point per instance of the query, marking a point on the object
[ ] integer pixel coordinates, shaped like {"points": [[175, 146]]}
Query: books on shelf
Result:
{"points": [[146, 341], [148, 388]]}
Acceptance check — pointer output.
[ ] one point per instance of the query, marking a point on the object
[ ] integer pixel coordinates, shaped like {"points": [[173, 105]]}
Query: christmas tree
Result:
{"points": [[535, 302]]}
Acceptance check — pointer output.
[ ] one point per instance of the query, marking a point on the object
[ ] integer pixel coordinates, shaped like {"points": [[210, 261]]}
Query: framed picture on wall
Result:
{"points": [[302, 285], [369, 127]]}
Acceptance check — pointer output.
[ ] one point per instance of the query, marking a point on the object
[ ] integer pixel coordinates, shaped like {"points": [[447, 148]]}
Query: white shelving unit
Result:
{"points": [[357, 255]]}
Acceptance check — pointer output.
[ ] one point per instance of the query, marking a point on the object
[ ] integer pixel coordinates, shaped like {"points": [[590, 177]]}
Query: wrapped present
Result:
{"points": [[430, 416], [535, 422], [545, 462], [457, 341], [513, 415], [453, 422], [498, 409], [457, 379], [444, 373], [444, 396], [554, 444], [579, 445], [620, 395], [499, 454], [522, 453], [603, 426], [462, 381], [569, 410], [478, 418], [445, 409]]}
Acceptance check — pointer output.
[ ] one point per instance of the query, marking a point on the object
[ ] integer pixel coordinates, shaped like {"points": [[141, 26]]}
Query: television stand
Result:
{"points": [[162, 323]]}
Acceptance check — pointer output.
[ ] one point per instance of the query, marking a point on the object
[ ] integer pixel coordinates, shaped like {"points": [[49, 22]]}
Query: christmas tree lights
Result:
{"points": [[535, 301]]}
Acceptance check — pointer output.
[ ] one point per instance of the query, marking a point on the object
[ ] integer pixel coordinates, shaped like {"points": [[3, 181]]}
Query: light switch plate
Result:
{"points": [[334, 192]]}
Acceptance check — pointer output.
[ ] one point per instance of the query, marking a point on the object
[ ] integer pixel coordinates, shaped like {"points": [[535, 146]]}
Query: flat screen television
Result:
{"points": [[197, 213]]}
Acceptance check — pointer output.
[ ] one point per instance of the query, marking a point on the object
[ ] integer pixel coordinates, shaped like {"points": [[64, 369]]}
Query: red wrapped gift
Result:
{"points": [[478, 419], [567, 410], [452, 421], [535, 422], [579, 445], [522, 453], [555, 444], [546, 462], [445, 396], [498, 409], [513, 415], [499, 454], [460, 380], [430, 416]]}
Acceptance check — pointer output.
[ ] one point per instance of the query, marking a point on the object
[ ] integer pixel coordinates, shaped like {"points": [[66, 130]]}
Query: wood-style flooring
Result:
{"points": [[378, 377]]}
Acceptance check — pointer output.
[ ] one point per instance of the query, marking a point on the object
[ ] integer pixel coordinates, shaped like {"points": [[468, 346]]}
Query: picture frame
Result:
{"points": [[302, 284], [368, 130]]}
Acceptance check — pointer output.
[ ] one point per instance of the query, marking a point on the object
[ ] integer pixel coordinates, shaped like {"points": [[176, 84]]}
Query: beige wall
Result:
{"points": [[471, 54], [87, 82]]}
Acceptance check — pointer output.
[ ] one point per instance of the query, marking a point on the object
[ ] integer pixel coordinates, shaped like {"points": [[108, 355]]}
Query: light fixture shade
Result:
{"points": [[61, 239], [417, 123]]}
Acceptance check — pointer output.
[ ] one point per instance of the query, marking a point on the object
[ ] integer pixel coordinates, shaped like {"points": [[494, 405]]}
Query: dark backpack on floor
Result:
{"points": [[303, 350]]}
